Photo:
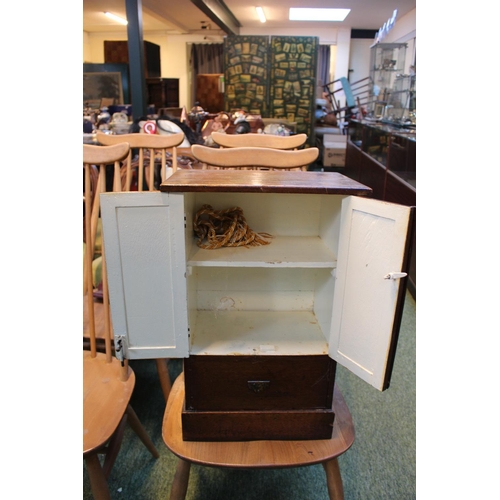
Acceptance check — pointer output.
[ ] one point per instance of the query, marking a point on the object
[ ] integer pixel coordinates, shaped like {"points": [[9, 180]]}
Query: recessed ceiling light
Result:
{"points": [[318, 14], [116, 18], [260, 13]]}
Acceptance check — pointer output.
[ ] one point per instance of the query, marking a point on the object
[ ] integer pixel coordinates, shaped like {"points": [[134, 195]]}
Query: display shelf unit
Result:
{"points": [[387, 61], [402, 101], [273, 310]]}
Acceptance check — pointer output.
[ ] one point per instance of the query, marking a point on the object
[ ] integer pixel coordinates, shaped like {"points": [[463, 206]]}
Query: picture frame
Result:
{"points": [[378, 110], [99, 85]]}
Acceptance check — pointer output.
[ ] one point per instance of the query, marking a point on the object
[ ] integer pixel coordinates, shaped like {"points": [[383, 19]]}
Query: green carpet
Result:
{"points": [[381, 465]]}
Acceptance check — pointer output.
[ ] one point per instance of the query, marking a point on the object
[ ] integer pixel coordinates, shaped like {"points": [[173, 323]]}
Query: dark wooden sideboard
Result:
{"points": [[161, 92], [384, 158]]}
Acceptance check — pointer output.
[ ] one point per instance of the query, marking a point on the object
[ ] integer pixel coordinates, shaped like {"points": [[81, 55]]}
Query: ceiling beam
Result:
{"points": [[218, 12]]}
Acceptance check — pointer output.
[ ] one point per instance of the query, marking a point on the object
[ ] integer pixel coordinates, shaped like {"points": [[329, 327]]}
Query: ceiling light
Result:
{"points": [[318, 14], [116, 18], [260, 13]]}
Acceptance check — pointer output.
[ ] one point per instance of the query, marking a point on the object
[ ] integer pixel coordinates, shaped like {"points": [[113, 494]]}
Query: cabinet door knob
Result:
{"points": [[258, 386], [395, 276]]}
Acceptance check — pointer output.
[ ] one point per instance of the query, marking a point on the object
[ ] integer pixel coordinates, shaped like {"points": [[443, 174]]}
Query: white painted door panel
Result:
{"points": [[371, 246], [144, 242]]}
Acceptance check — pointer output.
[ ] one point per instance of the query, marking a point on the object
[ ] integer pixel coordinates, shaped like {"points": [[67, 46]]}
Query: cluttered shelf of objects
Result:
{"points": [[196, 124]]}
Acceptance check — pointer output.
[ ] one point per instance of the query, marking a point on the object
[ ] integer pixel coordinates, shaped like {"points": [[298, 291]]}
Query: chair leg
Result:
{"points": [[166, 385], [136, 425], [181, 480], [334, 479], [114, 447], [98, 483]]}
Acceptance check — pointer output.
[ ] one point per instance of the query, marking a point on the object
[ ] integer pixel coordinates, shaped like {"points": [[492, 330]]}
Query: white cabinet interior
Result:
{"points": [[320, 287]]}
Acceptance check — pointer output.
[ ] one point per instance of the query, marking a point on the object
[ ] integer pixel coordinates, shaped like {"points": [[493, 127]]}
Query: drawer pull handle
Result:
{"points": [[258, 386]]}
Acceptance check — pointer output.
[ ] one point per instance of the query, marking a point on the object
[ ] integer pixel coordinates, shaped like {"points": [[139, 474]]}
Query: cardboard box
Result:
{"points": [[334, 149]]}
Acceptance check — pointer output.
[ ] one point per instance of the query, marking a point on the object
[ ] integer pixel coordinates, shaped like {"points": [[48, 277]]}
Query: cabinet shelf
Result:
{"points": [[283, 251], [257, 332]]}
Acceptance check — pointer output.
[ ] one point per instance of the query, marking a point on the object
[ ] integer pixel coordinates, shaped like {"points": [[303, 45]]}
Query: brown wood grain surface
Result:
{"points": [[235, 383], [256, 454], [105, 398], [249, 181]]}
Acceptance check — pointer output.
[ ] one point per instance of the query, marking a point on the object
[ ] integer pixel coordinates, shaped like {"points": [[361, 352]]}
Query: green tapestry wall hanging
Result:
{"points": [[292, 80], [246, 74]]}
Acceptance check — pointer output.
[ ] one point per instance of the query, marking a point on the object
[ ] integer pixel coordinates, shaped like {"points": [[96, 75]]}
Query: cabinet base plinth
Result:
{"points": [[257, 425]]}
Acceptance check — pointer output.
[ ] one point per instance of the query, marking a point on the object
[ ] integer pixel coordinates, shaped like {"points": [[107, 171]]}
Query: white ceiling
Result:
{"points": [[182, 16]]}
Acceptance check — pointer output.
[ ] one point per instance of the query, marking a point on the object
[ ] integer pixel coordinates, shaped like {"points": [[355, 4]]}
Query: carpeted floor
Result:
{"points": [[381, 465]]}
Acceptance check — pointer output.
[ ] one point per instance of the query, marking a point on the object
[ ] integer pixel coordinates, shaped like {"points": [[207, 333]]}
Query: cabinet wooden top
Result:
{"points": [[255, 181]]}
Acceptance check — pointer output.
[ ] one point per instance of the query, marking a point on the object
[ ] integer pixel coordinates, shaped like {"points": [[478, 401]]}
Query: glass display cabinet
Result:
{"points": [[392, 148], [402, 101], [387, 61]]}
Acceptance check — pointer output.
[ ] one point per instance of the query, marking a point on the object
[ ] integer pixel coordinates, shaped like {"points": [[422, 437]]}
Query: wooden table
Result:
{"points": [[256, 454]]}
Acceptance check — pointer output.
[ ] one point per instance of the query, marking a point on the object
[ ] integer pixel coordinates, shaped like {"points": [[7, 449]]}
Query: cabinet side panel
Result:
{"points": [[329, 230]]}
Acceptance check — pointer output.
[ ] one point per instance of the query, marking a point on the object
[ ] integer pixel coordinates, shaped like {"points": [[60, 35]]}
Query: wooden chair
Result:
{"points": [[256, 454], [97, 159], [151, 148], [107, 385], [98, 314], [259, 140], [255, 158]]}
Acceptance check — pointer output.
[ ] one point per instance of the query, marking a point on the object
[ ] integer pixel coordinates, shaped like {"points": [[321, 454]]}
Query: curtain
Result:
{"points": [[323, 69], [205, 58]]}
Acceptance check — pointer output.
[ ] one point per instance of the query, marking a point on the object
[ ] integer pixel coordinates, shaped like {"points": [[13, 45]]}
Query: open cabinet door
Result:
{"points": [[144, 244], [369, 288]]}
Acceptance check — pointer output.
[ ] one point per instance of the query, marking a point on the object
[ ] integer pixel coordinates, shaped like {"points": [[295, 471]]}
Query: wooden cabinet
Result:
{"points": [[116, 51], [163, 92], [258, 397], [210, 92], [263, 327]]}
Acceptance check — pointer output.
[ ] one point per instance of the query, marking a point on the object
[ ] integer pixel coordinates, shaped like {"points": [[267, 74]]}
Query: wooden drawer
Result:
{"points": [[239, 398], [265, 383], [257, 425]]}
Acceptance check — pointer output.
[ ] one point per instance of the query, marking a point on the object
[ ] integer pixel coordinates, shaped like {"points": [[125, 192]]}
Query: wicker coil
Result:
{"points": [[225, 228]]}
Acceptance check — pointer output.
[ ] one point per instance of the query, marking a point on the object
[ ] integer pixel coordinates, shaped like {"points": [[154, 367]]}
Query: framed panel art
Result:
{"points": [[94, 78], [246, 74], [292, 86], [102, 85]]}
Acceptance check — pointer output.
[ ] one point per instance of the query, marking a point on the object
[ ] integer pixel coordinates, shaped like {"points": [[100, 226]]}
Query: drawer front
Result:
{"points": [[247, 383], [257, 425]]}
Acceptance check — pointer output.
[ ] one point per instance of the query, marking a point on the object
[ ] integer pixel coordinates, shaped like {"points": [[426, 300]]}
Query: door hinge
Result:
{"points": [[120, 346], [395, 276]]}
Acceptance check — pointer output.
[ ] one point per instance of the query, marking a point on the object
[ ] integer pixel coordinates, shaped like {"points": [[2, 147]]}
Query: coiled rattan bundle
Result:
{"points": [[225, 228]]}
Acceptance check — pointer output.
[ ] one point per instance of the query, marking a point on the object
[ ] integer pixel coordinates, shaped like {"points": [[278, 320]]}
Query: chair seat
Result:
{"points": [[105, 399]]}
